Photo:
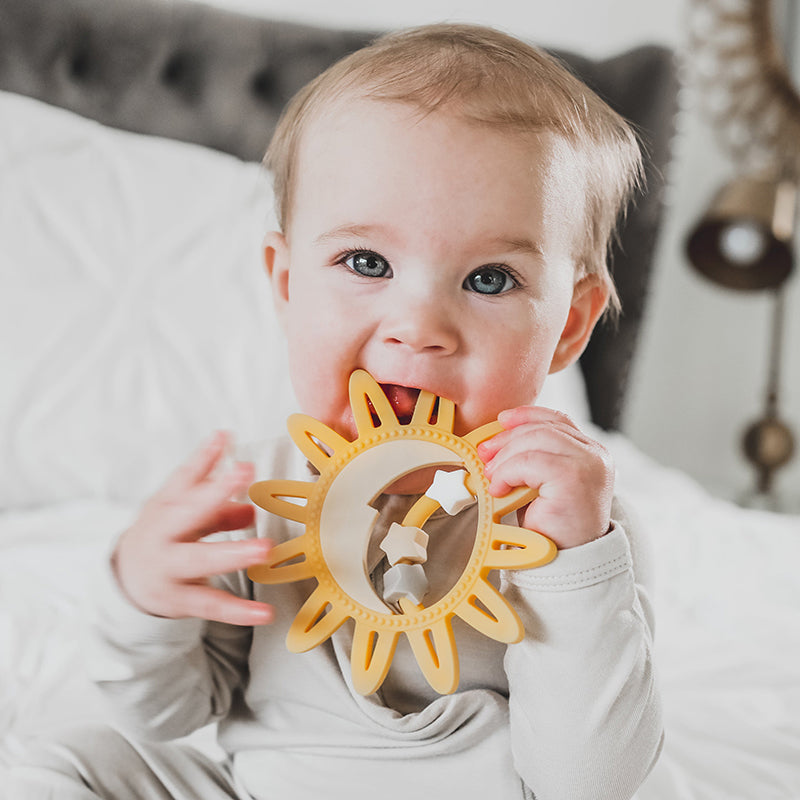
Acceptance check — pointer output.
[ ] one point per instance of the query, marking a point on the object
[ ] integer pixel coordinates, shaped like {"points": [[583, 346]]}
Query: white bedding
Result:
{"points": [[728, 640], [109, 379]]}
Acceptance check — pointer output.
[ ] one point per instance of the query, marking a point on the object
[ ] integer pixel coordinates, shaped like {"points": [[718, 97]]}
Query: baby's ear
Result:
{"points": [[276, 261], [589, 301]]}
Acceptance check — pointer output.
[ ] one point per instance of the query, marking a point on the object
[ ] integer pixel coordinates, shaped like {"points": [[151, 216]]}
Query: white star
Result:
{"points": [[449, 491], [405, 543], [405, 580]]}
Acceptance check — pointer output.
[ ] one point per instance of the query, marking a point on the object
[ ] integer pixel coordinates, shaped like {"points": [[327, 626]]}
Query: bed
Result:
{"points": [[135, 319]]}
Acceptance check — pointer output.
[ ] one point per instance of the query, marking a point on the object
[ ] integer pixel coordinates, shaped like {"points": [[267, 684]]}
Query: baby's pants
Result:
{"points": [[98, 762]]}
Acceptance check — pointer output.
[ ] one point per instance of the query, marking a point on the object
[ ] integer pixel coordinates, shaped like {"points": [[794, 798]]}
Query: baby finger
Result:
{"points": [[199, 465], [217, 605], [196, 560]]}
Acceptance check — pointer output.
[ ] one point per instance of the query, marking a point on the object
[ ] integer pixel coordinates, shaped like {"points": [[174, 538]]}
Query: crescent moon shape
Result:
{"points": [[346, 520]]}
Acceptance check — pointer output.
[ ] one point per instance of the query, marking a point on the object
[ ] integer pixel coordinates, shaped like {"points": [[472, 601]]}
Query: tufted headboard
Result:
{"points": [[201, 74]]}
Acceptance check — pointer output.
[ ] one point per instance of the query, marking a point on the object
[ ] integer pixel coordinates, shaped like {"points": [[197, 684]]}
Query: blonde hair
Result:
{"points": [[493, 79]]}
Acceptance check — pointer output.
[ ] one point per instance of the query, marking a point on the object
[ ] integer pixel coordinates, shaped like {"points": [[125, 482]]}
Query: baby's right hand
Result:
{"points": [[161, 564]]}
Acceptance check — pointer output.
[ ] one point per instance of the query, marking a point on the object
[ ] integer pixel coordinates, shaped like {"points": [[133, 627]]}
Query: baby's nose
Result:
{"points": [[422, 325]]}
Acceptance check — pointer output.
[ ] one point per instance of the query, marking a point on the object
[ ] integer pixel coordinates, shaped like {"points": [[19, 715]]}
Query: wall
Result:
{"points": [[595, 28], [699, 375]]}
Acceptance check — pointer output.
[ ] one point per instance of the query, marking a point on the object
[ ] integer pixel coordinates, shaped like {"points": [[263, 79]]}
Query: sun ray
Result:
{"points": [[428, 412], [338, 513], [282, 565], [483, 433], [434, 647], [367, 399], [315, 439], [445, 415], [315, 622], [514, 500], [371, 657], [270, 495], [518, 548], [424, 408], [494, 617]]}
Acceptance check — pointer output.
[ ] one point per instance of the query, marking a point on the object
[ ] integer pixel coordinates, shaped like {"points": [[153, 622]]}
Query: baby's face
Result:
{"points": [[432, 253]]}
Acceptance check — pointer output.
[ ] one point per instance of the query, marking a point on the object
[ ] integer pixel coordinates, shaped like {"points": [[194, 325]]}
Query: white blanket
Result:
{"points": [[728, 639]]}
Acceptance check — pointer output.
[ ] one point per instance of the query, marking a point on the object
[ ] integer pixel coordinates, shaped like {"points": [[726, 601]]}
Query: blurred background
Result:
{"points": [[700, 375]]}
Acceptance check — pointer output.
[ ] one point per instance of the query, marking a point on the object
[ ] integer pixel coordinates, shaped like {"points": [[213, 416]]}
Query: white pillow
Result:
{"points": [[135, 317]]}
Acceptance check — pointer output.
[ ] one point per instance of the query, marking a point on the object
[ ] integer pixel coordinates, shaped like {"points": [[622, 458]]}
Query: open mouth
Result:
{"points": [[403, 400]]}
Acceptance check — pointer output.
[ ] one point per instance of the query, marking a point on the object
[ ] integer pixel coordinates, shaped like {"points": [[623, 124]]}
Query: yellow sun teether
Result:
{"points": [[338, 519]]}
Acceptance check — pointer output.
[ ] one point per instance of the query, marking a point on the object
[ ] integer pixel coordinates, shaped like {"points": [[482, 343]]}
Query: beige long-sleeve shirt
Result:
{"points": [[570, 712]]}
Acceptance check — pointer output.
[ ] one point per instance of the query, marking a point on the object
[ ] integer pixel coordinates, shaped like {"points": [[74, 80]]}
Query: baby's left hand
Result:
{"points": [[573, 474]]}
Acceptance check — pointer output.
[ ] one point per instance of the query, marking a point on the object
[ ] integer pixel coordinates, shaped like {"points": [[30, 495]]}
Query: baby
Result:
{"points": [[446, 197]]}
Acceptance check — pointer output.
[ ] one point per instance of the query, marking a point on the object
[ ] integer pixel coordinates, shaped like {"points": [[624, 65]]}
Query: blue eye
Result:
{"points": [[367, 263], [490, 280]]}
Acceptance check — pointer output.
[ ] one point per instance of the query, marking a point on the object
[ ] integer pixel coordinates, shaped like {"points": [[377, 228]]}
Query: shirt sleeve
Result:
{"points": [[584, 707], [161, 678]]}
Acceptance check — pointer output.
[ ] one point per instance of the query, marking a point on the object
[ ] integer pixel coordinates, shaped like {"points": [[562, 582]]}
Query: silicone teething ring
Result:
{"points": [[338, 521]]}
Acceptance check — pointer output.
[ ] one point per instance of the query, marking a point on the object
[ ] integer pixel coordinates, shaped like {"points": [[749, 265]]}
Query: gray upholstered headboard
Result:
{"points": [[197, 73]]}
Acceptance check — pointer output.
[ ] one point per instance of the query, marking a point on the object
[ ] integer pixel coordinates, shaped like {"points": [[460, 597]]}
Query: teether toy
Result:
{"points": [[405, 580], [338, 521], [405, 544], [449, 490]]}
